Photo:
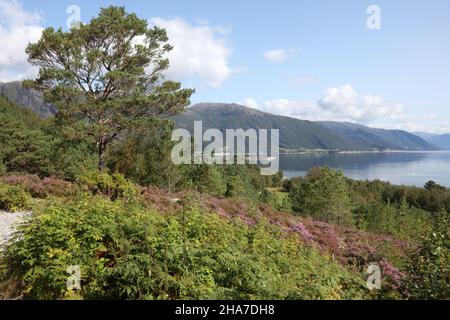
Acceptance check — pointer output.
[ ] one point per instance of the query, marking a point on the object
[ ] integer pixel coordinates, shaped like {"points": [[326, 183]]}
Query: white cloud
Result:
{"points": [[307, 110], [339, 104], [17, 28], [418, 124], [346, 104], [444, 127], [276, 55], [199, 50], [250, 102]]}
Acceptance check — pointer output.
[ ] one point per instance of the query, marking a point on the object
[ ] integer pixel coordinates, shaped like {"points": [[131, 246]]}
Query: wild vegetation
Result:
{"points": [[106, 197]]}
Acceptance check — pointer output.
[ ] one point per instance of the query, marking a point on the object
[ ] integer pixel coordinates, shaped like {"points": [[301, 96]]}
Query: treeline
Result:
{"points": [[32, 145], [406, 212], [420, 216]]}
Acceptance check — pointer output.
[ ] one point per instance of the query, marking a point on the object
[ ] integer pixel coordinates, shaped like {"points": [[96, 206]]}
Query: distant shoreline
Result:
{"points": [[358, 152]]}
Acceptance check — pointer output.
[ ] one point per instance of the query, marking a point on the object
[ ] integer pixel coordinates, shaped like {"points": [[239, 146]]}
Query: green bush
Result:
{"points": [[2, 168], [127, 252], [429, 268], [13, 198], [114, 186], [279, 201], [324, 196]]}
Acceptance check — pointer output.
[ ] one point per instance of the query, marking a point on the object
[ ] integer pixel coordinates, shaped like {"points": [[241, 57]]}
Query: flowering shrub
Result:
{"points": [[391, 274], [128, 252], [350, 247], [174, 220], [31, 184], [13, 198], [42, 188]]}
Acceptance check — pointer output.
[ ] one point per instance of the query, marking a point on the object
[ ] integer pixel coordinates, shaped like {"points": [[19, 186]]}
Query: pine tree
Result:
{"points": [[105, 78]]}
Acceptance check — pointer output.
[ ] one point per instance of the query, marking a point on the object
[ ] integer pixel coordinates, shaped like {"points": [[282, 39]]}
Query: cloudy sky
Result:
{"points": [[315, 60]]}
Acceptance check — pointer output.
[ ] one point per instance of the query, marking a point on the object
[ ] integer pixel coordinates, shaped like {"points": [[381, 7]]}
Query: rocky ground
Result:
{"points": [[8, 224]]}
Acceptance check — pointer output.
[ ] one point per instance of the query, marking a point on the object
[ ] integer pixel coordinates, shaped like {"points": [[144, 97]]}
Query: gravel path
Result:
{"points": [[8, 224]]}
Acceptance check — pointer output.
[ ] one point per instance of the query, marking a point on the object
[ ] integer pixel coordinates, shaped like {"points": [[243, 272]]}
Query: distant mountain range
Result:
{"points": [[295, 134], [440, 140], [298, 134], [364, 137], [30, 99]]}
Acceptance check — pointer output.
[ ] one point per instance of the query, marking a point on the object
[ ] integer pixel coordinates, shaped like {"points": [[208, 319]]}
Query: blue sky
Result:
{"points": [[314, 60]]}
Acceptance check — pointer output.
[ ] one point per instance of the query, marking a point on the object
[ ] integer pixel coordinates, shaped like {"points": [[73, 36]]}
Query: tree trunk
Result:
{"points": [[101, 155]]}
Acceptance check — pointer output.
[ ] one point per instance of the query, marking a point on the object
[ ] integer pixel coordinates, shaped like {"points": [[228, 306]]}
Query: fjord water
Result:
{"points": [[408, 168]]}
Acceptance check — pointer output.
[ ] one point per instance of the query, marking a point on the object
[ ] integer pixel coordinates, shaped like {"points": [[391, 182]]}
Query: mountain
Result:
{"points": [[300, 134], [440, 140], [30, 99], [295, 134], [372, 138]]}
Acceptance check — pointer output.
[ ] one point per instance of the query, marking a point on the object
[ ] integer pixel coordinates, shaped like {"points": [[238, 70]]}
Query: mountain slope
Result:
{"points": [[294, 133], [27, 98], [440, 140], [300, 134], [14, 115], [372, 138]]}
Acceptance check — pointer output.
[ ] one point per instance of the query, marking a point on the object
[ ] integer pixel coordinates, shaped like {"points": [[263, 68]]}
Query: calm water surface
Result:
{"points": [[410, 168]]}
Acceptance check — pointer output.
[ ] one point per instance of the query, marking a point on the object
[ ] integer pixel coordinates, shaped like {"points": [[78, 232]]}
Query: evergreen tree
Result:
{"points": [[105, 78], [324, 196]]}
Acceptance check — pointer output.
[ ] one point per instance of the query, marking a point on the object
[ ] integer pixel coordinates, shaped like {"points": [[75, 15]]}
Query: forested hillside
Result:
{"points": [[296, 134], [372, 138], [440, 140], [30, 99]]}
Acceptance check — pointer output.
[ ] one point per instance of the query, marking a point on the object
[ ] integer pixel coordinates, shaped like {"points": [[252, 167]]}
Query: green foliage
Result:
{"points": [[402, 211], [35, 146], [147, 159], [278, 200], [401, 221], [2, 167], [24, 147], [127, 252], [104, 83], [289, 184], [207, 179], [324, 196], [245, 181], [429, 268], [70, 157], [13, 198], [432, 198], [114, 186], [235, 187], [111, 109]]}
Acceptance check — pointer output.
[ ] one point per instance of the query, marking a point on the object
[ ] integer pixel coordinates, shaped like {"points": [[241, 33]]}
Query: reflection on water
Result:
{"points": [[410, 168]]}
